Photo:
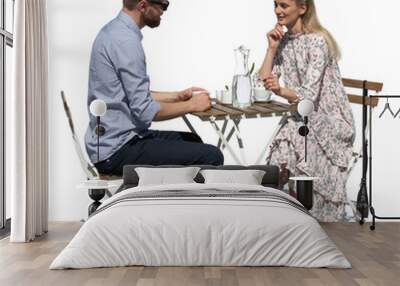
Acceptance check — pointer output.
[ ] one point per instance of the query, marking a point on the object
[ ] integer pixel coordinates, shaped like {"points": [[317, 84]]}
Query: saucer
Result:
{"points": [[262, 100]]}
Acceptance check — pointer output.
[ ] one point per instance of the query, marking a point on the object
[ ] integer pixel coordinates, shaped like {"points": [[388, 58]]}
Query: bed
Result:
{"points": [[201, 224]]}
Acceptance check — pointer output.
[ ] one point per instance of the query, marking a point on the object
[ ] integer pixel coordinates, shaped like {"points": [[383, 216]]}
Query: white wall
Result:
{"points": [[194, 46]]}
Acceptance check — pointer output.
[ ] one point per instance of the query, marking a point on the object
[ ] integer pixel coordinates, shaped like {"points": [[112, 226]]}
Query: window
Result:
{"points": [[6, 44]]}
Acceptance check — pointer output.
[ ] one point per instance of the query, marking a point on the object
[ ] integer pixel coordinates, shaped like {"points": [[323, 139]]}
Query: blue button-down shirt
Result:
{"points": [[118, 76]]}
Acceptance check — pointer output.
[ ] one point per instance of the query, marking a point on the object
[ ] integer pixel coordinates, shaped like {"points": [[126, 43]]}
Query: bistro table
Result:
{"points": [[227, 113]]}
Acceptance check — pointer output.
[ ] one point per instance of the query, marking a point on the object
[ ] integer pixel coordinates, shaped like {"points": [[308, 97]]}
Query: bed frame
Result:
{"points": [[270, 179]]}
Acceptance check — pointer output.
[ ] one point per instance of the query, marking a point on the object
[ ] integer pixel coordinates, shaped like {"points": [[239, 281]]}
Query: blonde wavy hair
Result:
{"points": [[311, 24]]}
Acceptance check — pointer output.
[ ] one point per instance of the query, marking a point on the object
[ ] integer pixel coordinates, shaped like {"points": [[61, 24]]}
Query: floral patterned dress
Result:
{"points": [[304, 64]]}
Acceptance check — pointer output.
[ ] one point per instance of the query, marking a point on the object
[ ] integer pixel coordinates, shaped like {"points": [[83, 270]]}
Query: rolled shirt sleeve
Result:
{"points": [[130, 65], [276, 65]]}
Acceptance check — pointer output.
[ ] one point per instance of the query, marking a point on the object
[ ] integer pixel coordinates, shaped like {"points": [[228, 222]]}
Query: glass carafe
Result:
{"points": [[242, 90]]}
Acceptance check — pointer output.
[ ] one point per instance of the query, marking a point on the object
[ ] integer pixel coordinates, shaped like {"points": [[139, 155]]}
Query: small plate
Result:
{"points": [[303, 178]]}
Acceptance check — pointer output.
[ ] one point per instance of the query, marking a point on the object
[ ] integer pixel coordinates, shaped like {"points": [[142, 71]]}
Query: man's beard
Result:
{"points": [[151, 22]]}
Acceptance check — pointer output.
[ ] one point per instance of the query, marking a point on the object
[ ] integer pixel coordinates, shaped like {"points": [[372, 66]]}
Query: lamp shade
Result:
{"points": [[98, 108], [305, 107]]}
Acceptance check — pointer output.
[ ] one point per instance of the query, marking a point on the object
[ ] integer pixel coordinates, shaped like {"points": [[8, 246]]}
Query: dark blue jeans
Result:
{"points": [[162, 148]]}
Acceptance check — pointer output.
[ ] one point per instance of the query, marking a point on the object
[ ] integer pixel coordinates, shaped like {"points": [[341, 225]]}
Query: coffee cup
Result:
{"points": [[261, 94], [226, 97]]}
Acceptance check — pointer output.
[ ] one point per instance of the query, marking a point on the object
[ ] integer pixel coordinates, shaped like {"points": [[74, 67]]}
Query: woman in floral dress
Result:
{"points": [[305, 57]]}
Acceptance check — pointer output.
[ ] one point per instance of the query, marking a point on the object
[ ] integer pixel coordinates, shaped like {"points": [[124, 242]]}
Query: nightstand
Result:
{"points": [[97, 190], [304, 190]]}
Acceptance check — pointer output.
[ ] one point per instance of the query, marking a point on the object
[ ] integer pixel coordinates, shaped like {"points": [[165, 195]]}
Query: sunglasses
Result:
{"points": [[163, 3]]}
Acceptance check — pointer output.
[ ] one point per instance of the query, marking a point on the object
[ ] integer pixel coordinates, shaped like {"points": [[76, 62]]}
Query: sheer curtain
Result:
{"points": [[27, 121]]}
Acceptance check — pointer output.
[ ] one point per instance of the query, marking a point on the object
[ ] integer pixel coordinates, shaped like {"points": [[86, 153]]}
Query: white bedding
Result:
{"points": [[200, 231]]}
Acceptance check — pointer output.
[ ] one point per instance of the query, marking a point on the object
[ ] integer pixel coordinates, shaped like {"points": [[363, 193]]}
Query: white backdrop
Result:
{"points": [[194, 46]]}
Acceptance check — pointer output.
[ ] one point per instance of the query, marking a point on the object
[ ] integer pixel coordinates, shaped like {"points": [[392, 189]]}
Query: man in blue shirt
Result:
{"points": [[118, 76]]}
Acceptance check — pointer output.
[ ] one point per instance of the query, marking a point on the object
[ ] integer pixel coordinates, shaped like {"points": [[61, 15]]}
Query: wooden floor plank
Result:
{"points": [[375, 257]]}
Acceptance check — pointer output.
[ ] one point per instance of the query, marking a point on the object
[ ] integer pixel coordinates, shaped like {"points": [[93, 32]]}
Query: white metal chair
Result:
{"points": [[88, 168]]}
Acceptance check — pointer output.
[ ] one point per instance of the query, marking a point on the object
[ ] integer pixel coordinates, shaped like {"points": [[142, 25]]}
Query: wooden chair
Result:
{"points": [[364, 87]]}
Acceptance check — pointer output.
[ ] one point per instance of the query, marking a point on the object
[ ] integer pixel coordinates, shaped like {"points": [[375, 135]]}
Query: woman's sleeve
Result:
{"points": [[277, 64], [318, 61]]}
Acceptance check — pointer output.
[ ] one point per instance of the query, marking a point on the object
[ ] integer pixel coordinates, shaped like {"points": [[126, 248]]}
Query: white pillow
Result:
{"points": [[247, 177], [166, 176]]}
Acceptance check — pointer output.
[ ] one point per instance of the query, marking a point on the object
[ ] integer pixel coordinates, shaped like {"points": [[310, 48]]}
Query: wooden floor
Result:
{"points": [[375, 257]]}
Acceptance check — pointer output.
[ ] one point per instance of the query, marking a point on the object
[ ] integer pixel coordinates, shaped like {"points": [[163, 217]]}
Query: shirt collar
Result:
{"points": [[128, 21]]}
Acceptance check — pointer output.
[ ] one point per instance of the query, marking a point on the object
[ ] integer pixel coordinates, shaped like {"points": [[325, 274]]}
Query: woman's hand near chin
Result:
{"points": [[275, 36]]}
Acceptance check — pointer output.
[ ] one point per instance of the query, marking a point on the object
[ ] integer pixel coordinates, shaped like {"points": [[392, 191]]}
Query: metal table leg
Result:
{"points": [[236, 123], [223, 132], [233, 131], [266, 148], [228, 138], [224, 141], [221, 135], [189, 125]]}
